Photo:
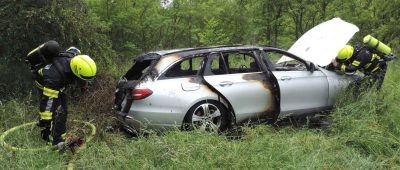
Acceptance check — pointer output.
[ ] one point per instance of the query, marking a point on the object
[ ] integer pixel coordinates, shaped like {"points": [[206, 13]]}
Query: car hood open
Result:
{"points": [[321, 43]]}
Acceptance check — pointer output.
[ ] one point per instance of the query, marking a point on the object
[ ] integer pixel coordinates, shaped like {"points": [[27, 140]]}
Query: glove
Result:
{"points": [[44, 123], [45, 133], [84, 88], [34, 74], [61, 146]]}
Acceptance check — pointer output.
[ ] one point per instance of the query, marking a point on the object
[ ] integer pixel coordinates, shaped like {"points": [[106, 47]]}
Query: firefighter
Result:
{"points": [[350, 59], [61, 71]]}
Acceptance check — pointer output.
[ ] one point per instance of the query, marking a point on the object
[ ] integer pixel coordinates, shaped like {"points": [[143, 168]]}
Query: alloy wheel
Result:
{"points": [[207, 117]]}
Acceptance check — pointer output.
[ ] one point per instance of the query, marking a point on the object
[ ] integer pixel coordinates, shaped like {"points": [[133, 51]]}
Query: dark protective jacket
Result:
{"points": [[364, 60], [37, 71], [55, 76]]}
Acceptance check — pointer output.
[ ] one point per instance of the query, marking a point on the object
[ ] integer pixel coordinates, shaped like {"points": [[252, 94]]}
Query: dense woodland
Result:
{"points": [[114, 31]]}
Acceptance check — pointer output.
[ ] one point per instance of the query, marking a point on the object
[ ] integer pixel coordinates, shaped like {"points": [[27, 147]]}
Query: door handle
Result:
{"points": [[286, 78], [225, 83]]}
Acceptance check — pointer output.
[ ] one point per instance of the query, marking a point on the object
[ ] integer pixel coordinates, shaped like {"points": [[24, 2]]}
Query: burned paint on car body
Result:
{"points": [[215, 87], [271, 110]]}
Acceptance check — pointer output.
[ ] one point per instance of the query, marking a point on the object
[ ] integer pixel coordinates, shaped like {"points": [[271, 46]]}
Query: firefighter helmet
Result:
{"points": [[83, 67], [345, 53]]}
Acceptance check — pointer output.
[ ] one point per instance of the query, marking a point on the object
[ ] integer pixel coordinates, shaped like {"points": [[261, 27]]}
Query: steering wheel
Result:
{"points": [[242, 68]]}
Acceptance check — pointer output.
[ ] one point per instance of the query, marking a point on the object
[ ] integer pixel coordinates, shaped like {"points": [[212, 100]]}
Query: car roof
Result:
{"points": [[189, 51], [207, 49]]}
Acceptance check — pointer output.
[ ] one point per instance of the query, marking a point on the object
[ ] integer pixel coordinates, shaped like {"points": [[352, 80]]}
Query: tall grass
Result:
{"points": [[364, 134]]}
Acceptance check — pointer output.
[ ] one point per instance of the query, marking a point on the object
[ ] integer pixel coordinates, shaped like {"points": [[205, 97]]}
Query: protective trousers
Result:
{"points": [[59, 117], [53, 118]]}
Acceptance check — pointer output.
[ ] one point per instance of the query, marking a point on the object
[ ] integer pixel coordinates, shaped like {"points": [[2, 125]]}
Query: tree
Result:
{"points": [[212, 34]]}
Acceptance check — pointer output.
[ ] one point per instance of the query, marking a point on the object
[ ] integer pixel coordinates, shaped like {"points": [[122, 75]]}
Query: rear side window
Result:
{"points": [[217, 65], [241, 62], [185, 68]]}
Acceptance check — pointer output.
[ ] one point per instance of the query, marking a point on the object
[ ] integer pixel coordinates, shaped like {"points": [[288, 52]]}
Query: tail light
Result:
{"points": [[139, 94]]}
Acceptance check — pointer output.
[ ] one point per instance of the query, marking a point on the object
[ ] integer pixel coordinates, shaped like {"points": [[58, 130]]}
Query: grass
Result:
{"points": [[364, 134]]}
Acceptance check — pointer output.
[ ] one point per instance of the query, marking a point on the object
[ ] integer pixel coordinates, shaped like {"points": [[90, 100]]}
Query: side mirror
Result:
{"points": [[312, 67]]}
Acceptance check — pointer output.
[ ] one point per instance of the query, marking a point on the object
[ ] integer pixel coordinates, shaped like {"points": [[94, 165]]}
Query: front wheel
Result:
{"points": [[209, 116]]}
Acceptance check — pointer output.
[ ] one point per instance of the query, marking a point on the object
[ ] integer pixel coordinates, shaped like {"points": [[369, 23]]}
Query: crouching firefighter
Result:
{"points": [[55, 76], [370, 59]]}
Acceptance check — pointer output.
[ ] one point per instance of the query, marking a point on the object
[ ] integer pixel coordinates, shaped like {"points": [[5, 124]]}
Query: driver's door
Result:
{"points": [[302, 91]]}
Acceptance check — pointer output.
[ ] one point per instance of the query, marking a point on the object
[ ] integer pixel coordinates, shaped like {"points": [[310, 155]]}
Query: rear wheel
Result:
{"points": [[209, 116]]}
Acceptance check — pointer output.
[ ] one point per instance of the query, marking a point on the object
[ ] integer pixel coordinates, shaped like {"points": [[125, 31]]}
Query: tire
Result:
{"points": [[216, 119]]}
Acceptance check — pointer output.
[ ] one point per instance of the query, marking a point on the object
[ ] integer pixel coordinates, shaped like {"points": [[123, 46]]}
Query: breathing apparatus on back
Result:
{"points": [[379, 47], [43, 55]]}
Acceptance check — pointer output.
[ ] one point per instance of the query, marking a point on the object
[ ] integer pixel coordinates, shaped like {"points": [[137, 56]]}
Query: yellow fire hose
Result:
{"points": [[71, 163], [12, 148]]}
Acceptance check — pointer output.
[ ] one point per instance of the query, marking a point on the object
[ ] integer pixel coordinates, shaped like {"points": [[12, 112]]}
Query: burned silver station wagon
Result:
{"points": [[212, 88]]}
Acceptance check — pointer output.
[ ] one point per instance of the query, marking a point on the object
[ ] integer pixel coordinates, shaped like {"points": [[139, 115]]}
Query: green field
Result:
{"points": [[363, 134]]}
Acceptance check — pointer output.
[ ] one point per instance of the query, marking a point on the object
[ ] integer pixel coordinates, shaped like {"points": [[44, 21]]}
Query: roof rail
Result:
{"points": [[204, 48]]}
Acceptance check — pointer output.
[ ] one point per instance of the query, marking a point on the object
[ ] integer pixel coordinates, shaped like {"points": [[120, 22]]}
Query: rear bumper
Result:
{"points": [[129, 123]]}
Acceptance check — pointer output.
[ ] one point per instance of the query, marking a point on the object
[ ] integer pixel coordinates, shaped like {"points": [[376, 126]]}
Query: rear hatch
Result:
{"points": [[142, 71]]}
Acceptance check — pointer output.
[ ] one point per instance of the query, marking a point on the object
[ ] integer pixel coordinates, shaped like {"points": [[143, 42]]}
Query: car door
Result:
{"points": [[173, 92], [302, 90], [237, 76]]}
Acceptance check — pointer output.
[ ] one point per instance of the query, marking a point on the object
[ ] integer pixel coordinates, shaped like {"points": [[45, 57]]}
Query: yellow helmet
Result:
{"points": [[83, 67], [345, 53]]}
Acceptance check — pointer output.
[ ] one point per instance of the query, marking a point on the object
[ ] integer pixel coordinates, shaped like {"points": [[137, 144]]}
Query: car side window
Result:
{"points": [[241, 62], [288, 65], [217, 65], [185, 68]]}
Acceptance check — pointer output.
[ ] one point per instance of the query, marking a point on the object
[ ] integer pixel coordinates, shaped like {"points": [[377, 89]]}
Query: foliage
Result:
{"points": [[212, 35], [145, 25], [68, 22]]}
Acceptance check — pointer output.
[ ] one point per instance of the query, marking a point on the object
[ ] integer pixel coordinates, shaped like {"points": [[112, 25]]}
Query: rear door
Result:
{"points": [[237, 75], [301, 90]]}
